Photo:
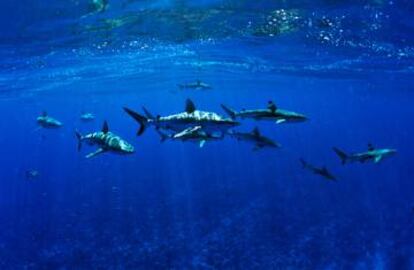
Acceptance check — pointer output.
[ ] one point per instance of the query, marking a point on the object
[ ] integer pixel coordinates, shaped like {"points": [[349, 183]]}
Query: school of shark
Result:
{"points": [[200, 127]]}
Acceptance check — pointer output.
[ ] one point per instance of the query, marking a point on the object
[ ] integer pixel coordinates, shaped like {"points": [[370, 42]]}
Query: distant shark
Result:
{"points": [[192, 134], [87, 117], [319, 171], [106, 141], [373, 154], [271, 113], [48, 122], [197, 85], [254, 137], [209, 121]]}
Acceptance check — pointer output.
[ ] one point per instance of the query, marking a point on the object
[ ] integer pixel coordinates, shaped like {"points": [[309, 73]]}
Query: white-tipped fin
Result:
{"points": [[378, 159], [202, 143], [280, 121]]}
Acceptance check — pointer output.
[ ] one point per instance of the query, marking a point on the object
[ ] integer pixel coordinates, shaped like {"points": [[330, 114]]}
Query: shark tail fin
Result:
{"points": [[79, 137], [229, 111], [341, 154], [142, 120], [303, 162]]}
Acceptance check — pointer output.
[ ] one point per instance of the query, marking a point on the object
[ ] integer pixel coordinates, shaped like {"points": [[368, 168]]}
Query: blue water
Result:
{"points": [[348, 67]]}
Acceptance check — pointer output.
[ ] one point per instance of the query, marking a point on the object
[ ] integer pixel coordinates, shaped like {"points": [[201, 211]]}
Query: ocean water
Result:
{"points": [[347, 65]]}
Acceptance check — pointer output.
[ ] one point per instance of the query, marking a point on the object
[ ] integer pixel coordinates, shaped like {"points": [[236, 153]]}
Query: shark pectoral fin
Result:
{"points": [[202, 143], [378, 159], [280, 121], [97, 152]]}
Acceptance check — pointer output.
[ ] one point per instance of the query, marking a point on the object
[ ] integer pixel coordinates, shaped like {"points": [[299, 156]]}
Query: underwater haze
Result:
{"points": [[227, 198]]}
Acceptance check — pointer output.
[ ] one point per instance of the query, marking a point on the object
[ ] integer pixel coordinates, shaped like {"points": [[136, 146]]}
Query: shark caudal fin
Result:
{"points": [[79, 137], [229, 111], [142, 120], [341, 154]]}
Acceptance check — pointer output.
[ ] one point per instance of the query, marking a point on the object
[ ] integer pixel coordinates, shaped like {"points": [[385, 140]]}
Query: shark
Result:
{"points": [[87, 117], [254, 137], [106, 142], [209, 121], [46, 121], [197, 85], [192, 134], [271, 113], [373, 154], [323, 171]]}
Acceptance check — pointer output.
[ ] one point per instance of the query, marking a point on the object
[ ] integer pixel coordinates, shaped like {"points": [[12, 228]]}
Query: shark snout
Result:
{"points": [[300, 118], [127, 148]]}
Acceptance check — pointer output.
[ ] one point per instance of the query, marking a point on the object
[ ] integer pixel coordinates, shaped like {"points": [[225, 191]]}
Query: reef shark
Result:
{"points": [[254, 137], [197, 85], [373, 154], [106, 141], [48, 122], [272, 113], [319, 171], [87, 117], [192, 134], [209, 121]]}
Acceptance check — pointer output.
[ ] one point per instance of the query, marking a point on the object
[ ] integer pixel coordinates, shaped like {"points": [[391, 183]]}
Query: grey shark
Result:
{"points": [[256, 138], [209, 121], [87, 117], [319, 171], [48, 122], [373, 154], [197, 85], [271, 113], [191, 134], [106, 142]]}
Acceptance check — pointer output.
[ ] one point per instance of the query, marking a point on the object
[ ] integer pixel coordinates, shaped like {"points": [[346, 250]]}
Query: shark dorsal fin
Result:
{"points": [[105, 127], [256, 132], [189, 106], [371, 147], [271, 106]]}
